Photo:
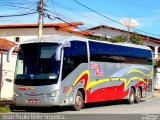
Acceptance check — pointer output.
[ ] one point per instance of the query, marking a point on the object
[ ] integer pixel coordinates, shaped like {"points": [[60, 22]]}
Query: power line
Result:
{"points": [[16, 6], [16, 3], [53, 6], [22, 5], [64, 15], [98, 13], [139, 5], [112, 19], [111, 13], [15, 15], [27, 9], [145, 32], [55, 17], [75, 11], [5, 19], [70, 10], [79, 12]]}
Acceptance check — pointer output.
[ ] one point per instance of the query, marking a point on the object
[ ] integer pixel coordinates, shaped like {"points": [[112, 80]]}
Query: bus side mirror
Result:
{"points": [[9, 54]]}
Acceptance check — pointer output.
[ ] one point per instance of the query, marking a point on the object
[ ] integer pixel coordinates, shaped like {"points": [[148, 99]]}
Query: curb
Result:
{"points": [[156, 93], [5, 102]]}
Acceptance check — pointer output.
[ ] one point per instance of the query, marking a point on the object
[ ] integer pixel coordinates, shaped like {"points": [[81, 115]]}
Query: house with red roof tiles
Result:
{"points": [[109, 32], [21, 32], [6, 70]]}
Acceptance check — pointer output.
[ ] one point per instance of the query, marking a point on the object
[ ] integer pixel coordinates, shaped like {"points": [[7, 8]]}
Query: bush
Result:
{"points": [[133, 38], [4, 109]]}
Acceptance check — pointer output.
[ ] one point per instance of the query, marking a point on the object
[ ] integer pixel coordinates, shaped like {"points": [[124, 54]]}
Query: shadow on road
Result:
{"points": [[57, 109], [39, 109], [108, 103]]}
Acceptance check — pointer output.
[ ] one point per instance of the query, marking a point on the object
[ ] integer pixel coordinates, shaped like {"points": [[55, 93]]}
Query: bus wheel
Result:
{"points": [[131, 98], [79, 102], [138, 96]]}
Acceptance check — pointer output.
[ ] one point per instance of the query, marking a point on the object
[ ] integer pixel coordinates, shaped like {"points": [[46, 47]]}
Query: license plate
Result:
{"points": [[32, 100]]}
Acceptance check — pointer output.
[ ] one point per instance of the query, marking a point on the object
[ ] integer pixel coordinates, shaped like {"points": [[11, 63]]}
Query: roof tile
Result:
{"points": [[5, 44]]}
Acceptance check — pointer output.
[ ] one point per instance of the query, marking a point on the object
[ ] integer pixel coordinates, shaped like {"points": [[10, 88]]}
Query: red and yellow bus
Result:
{"points": [[71, 71]]}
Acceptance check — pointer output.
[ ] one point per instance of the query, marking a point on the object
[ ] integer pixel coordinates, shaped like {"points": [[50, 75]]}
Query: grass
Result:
{"points": [[4, 109]]}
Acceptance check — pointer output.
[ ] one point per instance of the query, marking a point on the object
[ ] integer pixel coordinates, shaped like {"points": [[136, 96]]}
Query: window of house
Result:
{"points": [[17, 39]]}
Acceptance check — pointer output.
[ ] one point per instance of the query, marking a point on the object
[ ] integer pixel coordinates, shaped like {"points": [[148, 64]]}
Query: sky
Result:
{"points": [[106, 12]]}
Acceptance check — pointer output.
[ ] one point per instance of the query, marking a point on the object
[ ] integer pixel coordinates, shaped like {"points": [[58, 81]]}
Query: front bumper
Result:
{"points": [[39, 101]]}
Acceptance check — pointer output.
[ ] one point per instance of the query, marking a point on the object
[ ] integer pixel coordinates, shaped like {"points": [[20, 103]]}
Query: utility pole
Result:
{"points": [[40, 9]]}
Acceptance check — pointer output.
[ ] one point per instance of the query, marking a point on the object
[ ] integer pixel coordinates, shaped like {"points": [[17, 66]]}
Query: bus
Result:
{"points": [[72, 71]]}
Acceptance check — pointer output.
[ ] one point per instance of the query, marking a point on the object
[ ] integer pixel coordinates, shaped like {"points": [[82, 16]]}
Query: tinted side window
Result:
{"points": [[74, 56], [104, 52]]}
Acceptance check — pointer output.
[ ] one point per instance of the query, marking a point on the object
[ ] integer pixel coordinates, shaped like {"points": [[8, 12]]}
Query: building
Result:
{"points": [[6, 70], [109, 32], [21, 32]]}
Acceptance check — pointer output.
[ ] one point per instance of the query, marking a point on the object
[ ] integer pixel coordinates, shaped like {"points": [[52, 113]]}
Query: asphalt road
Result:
{"points": [[147, 109], [147, 105]]}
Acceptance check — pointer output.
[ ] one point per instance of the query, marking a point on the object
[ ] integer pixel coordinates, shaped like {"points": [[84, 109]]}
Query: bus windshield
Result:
{"points": [[37, 65]]}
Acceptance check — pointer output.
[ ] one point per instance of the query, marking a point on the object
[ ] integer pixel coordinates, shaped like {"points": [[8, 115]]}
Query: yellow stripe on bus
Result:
{"points": [[96, 82], [85, 72], [138, 71]]}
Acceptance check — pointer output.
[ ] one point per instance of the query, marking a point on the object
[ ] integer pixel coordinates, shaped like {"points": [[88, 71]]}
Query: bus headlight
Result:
{"points": [[17, 94], [53, 94]]}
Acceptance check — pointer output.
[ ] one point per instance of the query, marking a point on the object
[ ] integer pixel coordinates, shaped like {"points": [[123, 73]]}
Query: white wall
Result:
{"points": [[7, 76], [29, 33], [108, 32]]}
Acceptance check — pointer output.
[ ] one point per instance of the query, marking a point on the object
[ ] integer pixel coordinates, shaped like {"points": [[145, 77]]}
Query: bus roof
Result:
{"points": [[62, 39], [54, 39]]}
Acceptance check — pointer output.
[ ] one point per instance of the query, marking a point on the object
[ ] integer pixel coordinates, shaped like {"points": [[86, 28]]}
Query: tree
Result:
{"points": [[120, 38], [133, 38], [136, 39]]}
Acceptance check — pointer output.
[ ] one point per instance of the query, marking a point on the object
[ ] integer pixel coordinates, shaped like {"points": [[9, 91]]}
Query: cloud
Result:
{"points": [[149, 21], [156, 11]]}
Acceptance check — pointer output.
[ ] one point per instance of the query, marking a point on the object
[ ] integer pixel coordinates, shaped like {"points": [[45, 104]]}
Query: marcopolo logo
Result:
{"points": [[97, 70]]}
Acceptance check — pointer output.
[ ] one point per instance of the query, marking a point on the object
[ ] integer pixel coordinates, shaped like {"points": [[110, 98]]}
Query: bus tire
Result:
{"points": [[131, 98], [79, 101], [138, 96]]}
